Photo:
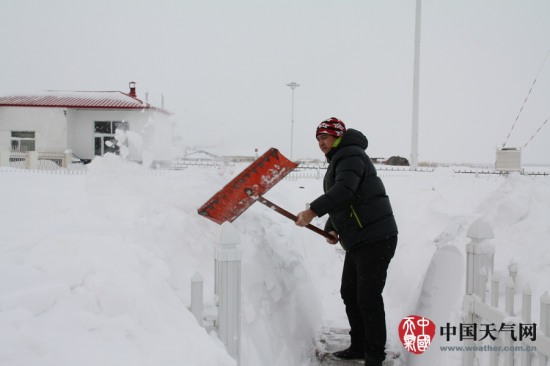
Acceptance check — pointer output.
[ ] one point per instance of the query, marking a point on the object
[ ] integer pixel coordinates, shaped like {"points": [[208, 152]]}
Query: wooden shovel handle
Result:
{"points": [[287, 214]]}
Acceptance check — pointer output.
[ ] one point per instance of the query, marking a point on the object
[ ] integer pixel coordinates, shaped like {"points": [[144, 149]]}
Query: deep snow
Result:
{"points": [[95, 268]]}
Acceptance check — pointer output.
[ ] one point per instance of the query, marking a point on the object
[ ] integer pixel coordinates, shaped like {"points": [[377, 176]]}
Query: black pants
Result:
{"points": [[363, 279]]}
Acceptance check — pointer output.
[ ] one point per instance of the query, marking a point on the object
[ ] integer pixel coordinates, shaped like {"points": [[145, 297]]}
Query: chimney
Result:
{"points": [[133, 89]]}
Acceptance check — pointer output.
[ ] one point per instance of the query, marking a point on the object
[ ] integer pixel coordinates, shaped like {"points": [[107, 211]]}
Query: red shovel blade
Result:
{"points": [[260, 176]]}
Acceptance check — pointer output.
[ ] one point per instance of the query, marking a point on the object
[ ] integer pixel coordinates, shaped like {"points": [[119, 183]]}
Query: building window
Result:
{"points": [[104, 136], [23, 141]]}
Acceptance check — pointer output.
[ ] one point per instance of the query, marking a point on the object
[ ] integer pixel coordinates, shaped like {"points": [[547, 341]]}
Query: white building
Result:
{"points": [[508, 159], [81, 121]]}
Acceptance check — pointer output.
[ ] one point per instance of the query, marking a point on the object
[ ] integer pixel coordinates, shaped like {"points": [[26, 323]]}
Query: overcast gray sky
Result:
{"points": [[223, 67]]}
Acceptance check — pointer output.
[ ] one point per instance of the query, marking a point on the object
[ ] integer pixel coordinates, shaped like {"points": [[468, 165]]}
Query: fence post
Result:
{"points": [[479, 255], [68, 160], [4, 158], [509, 297], [228, 279], [494, 291], [544, 322], [479, 266], [526, 316], [509, 309], [197, 304], [31, 160], [483, 282]]}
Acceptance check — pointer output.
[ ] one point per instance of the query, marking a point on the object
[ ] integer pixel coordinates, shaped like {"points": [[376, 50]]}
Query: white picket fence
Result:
{"points": [[505, 350], [43, 159], [535, 337], [318, 172], [227, 291]]}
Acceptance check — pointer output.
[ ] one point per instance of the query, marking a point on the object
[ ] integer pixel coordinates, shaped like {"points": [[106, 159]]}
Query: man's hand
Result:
{"points": [[335, 240], [305, 217]]}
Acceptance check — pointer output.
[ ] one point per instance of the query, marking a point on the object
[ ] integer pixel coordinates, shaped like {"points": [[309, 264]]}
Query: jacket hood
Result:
{"points": [[351, 137], [354, 137]]}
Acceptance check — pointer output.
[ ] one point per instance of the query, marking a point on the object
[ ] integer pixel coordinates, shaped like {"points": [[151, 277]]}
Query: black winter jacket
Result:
{"points": [[355, 198]]}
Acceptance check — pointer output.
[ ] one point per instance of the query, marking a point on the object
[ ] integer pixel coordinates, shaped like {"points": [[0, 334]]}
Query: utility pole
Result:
{"points": [[292, 86], [416, 84]]}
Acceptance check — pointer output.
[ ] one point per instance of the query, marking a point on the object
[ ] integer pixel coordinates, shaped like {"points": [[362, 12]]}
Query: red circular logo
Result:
{"points": [[416, 333]]}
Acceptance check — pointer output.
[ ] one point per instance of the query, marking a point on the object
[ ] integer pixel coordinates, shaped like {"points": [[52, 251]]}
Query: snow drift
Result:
{"points": [[95, 268]]}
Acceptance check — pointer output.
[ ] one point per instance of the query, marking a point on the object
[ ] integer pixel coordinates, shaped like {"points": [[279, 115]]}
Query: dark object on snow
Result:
{"points": [[397, 160], [350, 354]]}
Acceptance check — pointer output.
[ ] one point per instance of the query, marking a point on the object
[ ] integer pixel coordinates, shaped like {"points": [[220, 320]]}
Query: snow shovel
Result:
{"points": [[248, 187]]}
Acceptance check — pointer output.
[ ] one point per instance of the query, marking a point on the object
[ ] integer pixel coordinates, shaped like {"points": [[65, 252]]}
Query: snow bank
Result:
{"points": [[95, 269]]}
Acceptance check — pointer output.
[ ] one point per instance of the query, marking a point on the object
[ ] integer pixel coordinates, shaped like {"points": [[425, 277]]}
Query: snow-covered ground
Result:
{"points": [[95, 268]]}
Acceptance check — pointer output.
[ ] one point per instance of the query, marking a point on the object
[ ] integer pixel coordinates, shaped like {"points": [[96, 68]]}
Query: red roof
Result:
{"points": [[77, 99]]}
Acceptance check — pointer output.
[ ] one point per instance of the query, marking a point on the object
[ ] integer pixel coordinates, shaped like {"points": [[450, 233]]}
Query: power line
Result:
{"points": [[536, 132], [525, 101]]}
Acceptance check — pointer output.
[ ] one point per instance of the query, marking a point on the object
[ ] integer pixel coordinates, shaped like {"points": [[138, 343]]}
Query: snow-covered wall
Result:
{"points": [[50, 125]]}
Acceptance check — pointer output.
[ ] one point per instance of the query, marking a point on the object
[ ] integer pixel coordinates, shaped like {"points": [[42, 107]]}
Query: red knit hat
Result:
{"points": [[332, 126]]}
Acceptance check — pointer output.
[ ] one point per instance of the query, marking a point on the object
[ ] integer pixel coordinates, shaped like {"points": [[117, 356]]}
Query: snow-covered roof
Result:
{"points": [[77, 99]]}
